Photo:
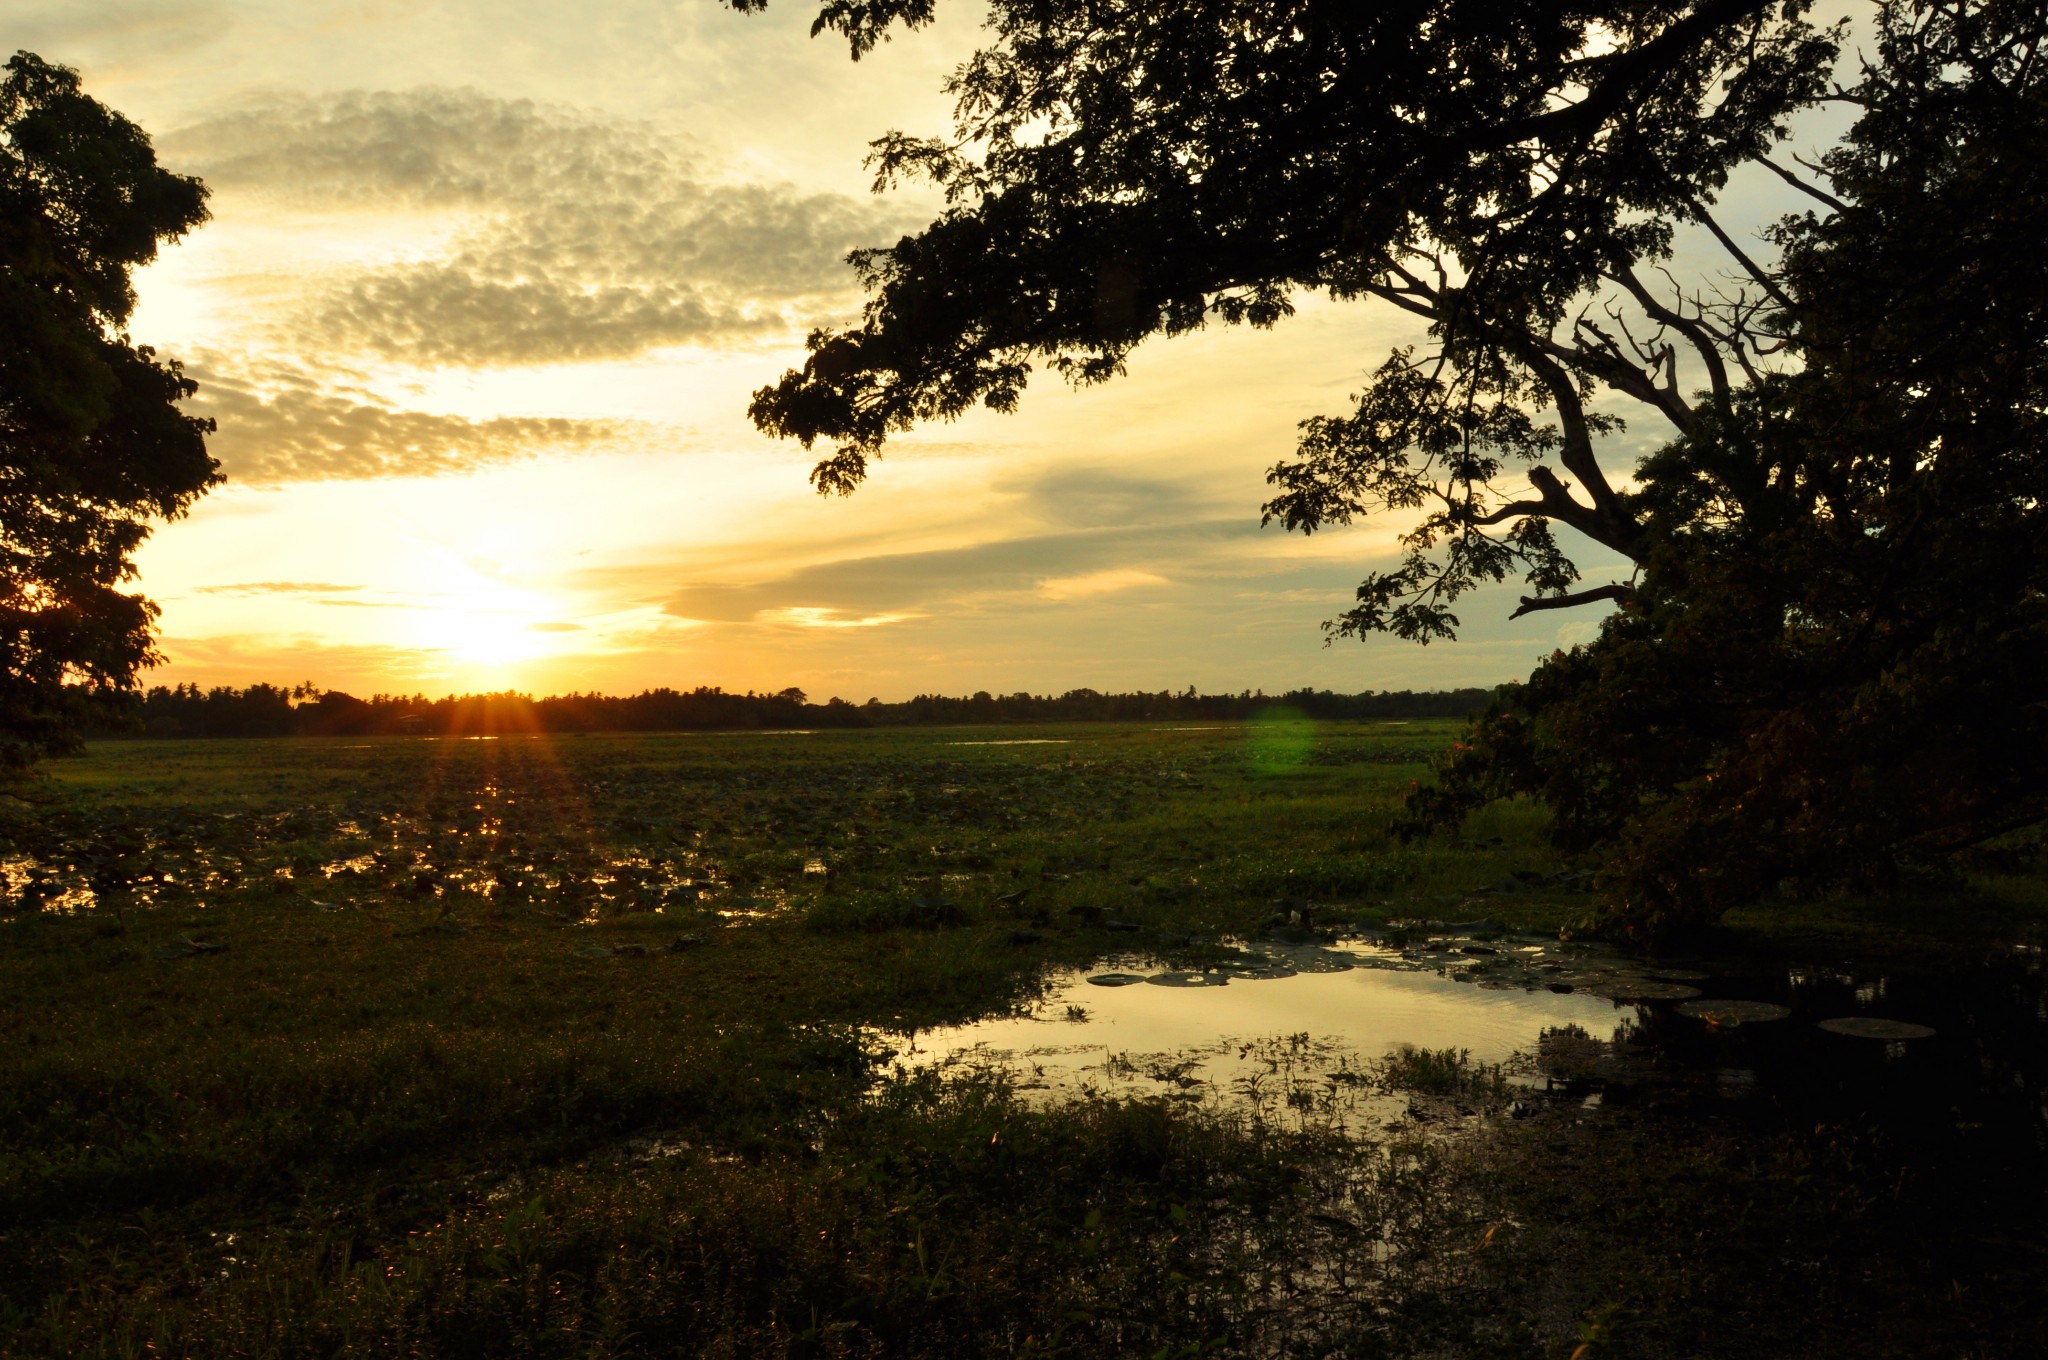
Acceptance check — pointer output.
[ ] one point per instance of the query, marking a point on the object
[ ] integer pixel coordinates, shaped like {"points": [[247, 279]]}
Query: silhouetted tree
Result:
{"points": [[1835, 665], [92, 443], [1826, 661]]}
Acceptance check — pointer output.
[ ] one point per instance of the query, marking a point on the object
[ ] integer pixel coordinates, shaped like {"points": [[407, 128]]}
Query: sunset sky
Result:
{"points": [[485, 293]]}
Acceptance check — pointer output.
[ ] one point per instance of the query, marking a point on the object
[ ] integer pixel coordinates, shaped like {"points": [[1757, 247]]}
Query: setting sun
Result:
{"points": [[483, 624], [490, 637]]}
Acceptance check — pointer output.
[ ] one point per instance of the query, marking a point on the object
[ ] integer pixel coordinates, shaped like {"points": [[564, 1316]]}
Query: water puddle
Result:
{"points": [[1308, 1028], [1295, 1027], [1018, 741]]}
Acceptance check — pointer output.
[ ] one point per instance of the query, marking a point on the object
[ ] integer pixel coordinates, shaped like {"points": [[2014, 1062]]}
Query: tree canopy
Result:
{"points": [[92, 443], [1826, 666]]}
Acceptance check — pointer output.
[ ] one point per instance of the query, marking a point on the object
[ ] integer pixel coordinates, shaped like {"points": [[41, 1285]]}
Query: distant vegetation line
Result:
{"points": [[273, 711]]}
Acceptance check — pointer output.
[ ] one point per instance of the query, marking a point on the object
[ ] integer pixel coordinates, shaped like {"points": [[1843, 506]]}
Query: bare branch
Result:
{"points": [[1702, 343], [1749, 266], [1616, 370], [1515, 510], [1611, 591], [1813, 189]]}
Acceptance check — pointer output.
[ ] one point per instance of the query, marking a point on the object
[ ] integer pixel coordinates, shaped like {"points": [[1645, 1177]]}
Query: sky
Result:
{"points": [[485, 293]]}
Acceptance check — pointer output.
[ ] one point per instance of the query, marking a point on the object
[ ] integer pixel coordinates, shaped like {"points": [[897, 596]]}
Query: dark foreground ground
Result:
{"points": [[568, 1047]]}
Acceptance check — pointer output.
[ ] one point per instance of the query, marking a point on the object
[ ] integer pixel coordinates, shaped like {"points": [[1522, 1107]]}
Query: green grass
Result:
{"points": [[395, 1113], [411, 1109]]}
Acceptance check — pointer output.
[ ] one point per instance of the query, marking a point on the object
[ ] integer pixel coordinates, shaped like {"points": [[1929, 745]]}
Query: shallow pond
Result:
{"points": [[1297, 1026], [1300, 1026]]}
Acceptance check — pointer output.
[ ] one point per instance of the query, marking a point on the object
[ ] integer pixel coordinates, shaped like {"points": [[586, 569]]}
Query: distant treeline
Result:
{"points": [[303, 710]]}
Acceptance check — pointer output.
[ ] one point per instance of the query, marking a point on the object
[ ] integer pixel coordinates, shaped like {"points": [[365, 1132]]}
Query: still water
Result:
{"points": [[1950, 1045], [1273, 1015]]}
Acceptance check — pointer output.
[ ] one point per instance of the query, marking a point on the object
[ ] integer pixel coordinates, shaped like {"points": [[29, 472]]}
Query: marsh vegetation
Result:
{"points": [[588, 1046]]}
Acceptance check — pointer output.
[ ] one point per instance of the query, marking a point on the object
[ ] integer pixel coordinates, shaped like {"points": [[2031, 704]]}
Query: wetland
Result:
{"points": [[1091, 1039]]}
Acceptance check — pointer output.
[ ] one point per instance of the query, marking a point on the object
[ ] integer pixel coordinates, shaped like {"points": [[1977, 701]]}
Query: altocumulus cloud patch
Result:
{"points": [[551, 236], [281, 423]]}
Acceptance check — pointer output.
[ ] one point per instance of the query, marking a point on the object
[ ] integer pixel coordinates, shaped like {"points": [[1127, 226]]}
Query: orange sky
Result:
{"points": [[484, 296]]}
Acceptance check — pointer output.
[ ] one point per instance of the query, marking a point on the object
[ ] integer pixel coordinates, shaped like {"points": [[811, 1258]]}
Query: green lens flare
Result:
{"points": [[1280, 739]]}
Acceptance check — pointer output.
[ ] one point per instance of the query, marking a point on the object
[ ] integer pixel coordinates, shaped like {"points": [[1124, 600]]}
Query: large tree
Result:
{"points": [[1825, 663], [92, 442]]}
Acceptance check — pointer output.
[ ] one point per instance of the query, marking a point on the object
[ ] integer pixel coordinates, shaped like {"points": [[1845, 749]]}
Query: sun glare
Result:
{"points": [[486, 626], [487, 637]]}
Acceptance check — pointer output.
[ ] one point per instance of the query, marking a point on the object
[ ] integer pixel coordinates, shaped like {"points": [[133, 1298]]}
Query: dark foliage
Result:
{"points": [[1826, 670], [273, 711], [92, 444], [1832, 670]]}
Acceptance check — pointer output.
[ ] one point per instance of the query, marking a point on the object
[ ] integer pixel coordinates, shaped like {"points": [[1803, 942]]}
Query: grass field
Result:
{"points": [[529, 1046]]}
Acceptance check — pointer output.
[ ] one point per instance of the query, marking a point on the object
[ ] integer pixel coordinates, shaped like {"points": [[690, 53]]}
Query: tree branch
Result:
{"points": [[1754, 270], [1702, 343], [1624, 73], [1815, 190], [1555, 501], [1608, 523], [1612, 591], [1402, 298], [1614, 368]]}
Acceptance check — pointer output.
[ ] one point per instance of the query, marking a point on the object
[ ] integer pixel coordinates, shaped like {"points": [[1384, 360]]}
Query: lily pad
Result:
{"points": [[1727, 1012], [1264, 972], [1643, 989], [1319, 961], [593, 951], [1875, 1027], [1680, 974], [1116, 979], [1188, 979]]}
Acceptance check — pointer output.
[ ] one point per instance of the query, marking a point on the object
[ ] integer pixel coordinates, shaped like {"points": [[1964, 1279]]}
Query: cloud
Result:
{"points": [[554, 627], [564, 237], [1098, 583], [799, 616], [1096, 498], [277, 588], [1018, 570], [125, 31], [242, 658], [451, 317], [279, 423]]}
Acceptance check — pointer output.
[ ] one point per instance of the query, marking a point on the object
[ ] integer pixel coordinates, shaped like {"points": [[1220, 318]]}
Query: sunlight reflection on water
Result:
{"points": [[1019, 741], [1222, 1042]]}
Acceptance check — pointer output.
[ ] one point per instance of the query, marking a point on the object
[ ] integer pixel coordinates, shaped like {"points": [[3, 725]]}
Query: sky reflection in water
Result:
{"points": [[1207, 1042]]}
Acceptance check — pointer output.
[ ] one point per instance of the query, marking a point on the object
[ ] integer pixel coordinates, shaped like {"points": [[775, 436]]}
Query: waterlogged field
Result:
{"points": [[851, 830], [608, 1046]]}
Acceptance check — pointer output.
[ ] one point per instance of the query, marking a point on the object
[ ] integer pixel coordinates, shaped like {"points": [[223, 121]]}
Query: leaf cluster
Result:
{"points": [[1123, 170], [1831, 673]]}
